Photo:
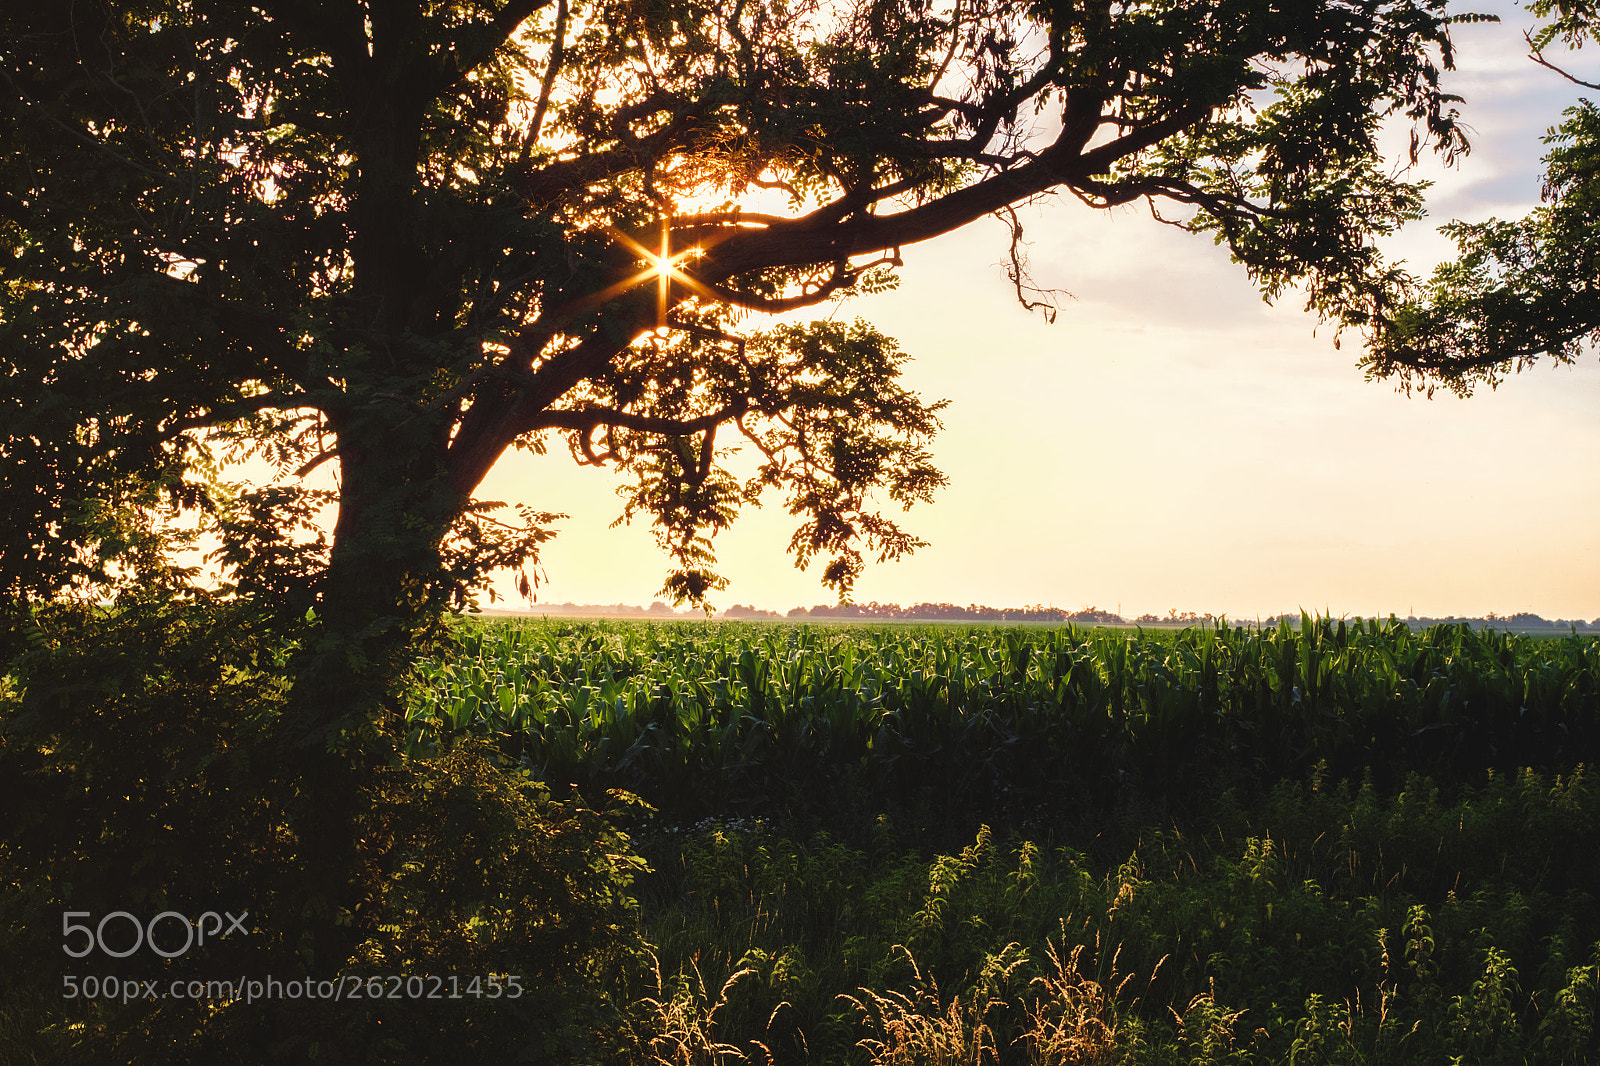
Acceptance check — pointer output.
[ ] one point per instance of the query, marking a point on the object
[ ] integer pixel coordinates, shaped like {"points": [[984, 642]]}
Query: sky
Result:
{"points": [[1173, 442]]}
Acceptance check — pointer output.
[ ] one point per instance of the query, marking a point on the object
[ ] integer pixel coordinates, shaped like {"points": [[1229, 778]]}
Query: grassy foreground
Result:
{"points": [[1326, 924], [1324, 843]]}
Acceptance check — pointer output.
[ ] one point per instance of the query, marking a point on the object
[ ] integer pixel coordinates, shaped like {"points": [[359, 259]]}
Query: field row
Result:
{"points": [[729, 717]]}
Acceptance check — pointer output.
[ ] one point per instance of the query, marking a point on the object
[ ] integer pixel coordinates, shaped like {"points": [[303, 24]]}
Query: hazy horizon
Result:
{"points": [[523, 608]]}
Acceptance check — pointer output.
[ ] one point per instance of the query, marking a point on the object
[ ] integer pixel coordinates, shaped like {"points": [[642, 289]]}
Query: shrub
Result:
{"points": [[140, 774]]}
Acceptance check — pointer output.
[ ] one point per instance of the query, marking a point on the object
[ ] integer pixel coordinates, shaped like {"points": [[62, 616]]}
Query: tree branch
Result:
{"points": [[235, 411], [811, 238], [1537, 55], [552, 68], [478, 41], [843, 277], [1017, 272], [589, 419]]}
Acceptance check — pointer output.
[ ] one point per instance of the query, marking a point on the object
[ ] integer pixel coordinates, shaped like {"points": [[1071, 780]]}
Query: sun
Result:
{"points": [[661, 265]]}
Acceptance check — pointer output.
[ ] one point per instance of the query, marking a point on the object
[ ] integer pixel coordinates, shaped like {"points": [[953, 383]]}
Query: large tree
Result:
{"points": [[1520, 289], [404, 237]]}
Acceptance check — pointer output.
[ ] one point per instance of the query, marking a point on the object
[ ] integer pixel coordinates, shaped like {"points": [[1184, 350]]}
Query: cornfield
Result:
{"points": [[726, 716]]}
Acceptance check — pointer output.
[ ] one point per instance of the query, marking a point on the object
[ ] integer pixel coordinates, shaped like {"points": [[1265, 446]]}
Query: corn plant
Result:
{"points": [[732, 714]]}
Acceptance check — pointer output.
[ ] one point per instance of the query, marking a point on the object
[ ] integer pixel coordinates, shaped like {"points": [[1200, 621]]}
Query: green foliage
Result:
{"points": [[822, 406], [1328, 924], [140, 773], [958, 725], [1316, 921], [1520, 289]]}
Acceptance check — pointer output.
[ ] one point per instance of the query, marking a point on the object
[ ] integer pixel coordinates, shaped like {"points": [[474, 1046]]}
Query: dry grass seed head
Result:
{"points": [[918, 1030], [682, 1025], [1074, 1022]]}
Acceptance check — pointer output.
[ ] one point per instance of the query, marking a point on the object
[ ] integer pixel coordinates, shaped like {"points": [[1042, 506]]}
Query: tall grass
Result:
{"points": [[1325, 923]]}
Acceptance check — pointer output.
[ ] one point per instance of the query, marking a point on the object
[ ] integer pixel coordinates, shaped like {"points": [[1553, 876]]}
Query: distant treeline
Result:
{"points": [[974, 612], [940, 612], [605, 610], [1523, 620]]}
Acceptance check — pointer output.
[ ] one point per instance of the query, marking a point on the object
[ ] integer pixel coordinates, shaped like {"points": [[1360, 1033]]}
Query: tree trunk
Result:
{"points": [[379, 595]]}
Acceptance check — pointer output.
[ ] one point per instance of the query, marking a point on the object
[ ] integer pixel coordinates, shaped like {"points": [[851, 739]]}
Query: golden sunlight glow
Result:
{"points": [[1166, 342], [663, 267]]}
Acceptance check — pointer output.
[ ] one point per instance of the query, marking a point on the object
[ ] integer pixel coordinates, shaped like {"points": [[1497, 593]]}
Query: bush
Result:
{"points": [[140, 773]]}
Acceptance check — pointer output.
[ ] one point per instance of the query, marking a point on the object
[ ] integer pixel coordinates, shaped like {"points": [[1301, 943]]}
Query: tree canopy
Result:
{"points": [[407, 237], [1520, 288]]}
